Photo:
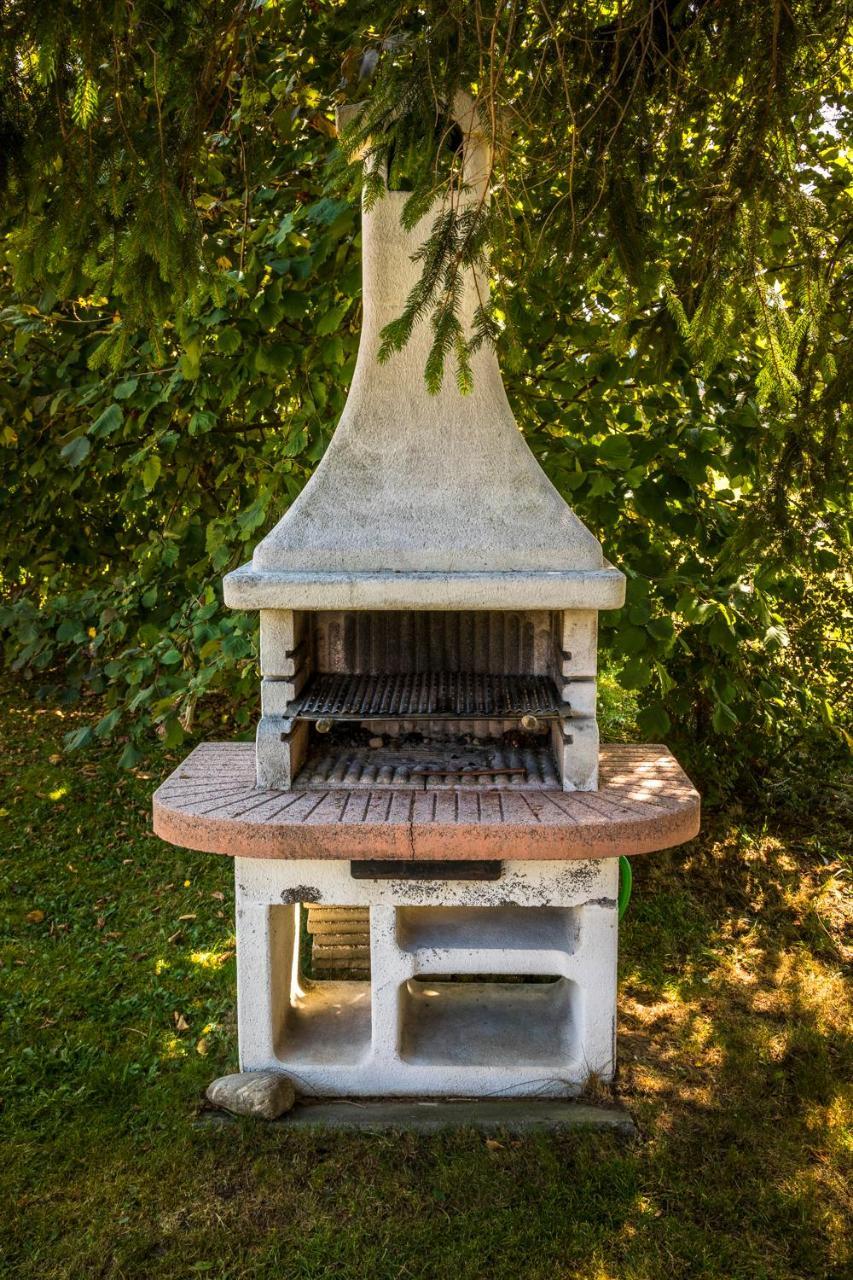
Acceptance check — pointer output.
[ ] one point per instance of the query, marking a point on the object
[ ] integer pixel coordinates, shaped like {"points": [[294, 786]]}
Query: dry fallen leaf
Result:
{"points": [[494, 1145], [176, 936], [218, 895], [35, 917], [190, 916], [180, 1022], [202, 1046]]}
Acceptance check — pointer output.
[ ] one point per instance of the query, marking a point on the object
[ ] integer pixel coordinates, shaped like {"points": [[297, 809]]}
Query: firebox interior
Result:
{"points": [[419, 699]]}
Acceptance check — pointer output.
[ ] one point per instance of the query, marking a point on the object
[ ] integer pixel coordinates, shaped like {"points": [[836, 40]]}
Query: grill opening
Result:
{"points": [[425, 699]]}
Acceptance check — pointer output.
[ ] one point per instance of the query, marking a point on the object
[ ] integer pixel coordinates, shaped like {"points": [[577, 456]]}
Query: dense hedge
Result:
{"points": [[706, 449]]}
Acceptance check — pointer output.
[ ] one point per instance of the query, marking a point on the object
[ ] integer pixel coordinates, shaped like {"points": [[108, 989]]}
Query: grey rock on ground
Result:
{"points": [[265, 1094]]}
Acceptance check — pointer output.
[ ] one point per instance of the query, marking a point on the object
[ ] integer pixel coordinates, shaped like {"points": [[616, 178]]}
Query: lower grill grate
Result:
{"points": [[448, 694], [489, 767]]}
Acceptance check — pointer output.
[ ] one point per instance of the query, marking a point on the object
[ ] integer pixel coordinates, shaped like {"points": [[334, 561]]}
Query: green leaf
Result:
{"points": [[776, 638], [228, 341], [632, 640], [333, 351], [274, 358], [129, 757], [251, 518], [723, 718], [654, 722], [105, 726], [294, 305], [616, 451], [70, 629], [173, 735], [636, 674], [107, 422], [284, 229], [201, 422], [125, 389], [190, 362], [151, 471], [331, 321], [76, 450]]}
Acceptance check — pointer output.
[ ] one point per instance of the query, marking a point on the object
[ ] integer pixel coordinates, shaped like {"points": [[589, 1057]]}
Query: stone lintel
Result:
{"points": [[588, 589]]}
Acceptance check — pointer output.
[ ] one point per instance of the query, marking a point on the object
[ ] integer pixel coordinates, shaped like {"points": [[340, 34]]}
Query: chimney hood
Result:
{"points": [[422, 500]]}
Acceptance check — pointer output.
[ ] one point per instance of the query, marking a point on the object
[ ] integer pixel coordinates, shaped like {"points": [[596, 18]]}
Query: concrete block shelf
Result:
{"points": [[475, 988], [489, 1024], [451, 934], [326, 1023]]}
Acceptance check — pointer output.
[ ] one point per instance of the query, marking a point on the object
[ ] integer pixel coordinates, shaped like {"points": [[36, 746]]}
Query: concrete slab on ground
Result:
{"points": [[513, 1115]]}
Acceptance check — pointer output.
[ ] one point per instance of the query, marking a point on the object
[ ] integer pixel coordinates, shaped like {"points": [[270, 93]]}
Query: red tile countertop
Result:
{"points": [[644, 802]]}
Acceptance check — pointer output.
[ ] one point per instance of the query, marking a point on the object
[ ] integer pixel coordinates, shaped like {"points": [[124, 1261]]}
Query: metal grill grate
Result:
{"points": [[447, 694], [431, 767]]}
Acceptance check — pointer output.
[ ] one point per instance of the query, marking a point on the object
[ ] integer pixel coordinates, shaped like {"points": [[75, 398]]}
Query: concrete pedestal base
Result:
{"points": [[519, 1116], [477, 989]]}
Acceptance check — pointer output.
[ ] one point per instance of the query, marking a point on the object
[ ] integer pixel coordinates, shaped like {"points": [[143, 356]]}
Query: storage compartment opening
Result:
{"points": [[326, 1022], [499, 929], [327, 1016], [448, 1021]]}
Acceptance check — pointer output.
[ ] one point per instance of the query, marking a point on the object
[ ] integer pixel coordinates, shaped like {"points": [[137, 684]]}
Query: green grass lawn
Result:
{"points": [[118, 1008]]}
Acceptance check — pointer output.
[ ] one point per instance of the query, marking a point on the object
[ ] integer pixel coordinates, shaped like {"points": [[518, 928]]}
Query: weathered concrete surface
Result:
{"points": [[264, 1094], [252, 588], [211, 802], [515, 1116], [493, 989], [413, 481]]}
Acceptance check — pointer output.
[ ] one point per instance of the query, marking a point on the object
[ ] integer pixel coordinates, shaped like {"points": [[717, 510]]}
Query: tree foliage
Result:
{"points": [[669, 237]]}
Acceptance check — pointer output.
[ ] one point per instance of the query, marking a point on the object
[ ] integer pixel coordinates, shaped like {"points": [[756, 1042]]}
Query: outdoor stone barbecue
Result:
{"points": [[427, 777]]}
